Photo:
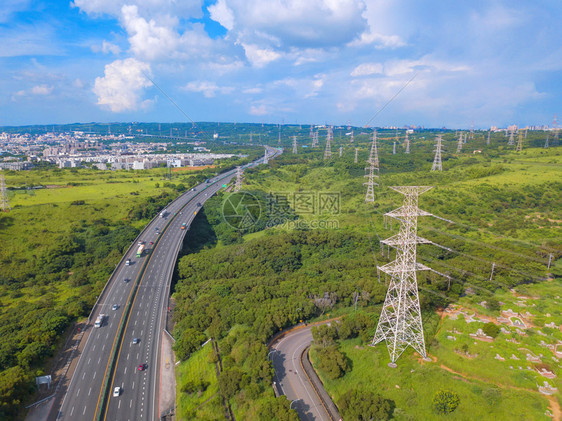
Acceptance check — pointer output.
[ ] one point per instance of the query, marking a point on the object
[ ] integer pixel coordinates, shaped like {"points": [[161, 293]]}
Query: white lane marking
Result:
{"points": [[72, 411], [77, 393], [84, 412], [89, 391]]}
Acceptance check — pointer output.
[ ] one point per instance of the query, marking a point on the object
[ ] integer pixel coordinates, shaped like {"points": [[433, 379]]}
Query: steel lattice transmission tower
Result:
{"points": [[407, 140], [356, 155], [400, 323], [511, 141], [546, 141], [315, 139], [352, 138], [374, 155], [437, 165], [266, 157], [519, 147], [4, 203], [341, 151], [372, 170], [328, 150], [239, 178], [488, 139], [294, 144], [459, 143], [394, 148]]}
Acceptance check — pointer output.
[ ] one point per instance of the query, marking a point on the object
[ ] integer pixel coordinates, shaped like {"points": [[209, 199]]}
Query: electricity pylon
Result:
{"points": [[488, 139], [459, 143], [374, 155], [407, 140], [356, 152], [400, 324], [352, 139], [519, 147], [315, 139], [279, 138], [437, 166], [341, 151], [239, 178], [266, 157], [370, 196], [546, 141], [328, 150], [294, 144], [4, 203], [511, 141], [472, 131], [394, 148], [372, 170]]}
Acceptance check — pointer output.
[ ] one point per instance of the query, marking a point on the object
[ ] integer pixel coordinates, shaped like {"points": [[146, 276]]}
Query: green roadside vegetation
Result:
{"points": [[61, 241], [502, 207]]}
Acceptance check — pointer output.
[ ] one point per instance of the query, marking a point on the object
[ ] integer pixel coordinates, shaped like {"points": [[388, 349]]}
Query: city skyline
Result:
{"points": [[321, 62]]}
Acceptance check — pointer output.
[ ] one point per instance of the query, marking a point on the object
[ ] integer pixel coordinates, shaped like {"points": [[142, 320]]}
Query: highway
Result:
{"points": [[110, 358], [290, 379]]}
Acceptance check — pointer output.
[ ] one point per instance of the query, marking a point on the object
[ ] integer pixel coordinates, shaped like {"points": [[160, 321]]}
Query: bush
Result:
{"points": [[491, 329], [363, 405], [332, 362], [445, 402]]}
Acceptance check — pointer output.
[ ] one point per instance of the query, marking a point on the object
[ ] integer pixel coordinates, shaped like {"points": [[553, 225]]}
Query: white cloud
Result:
{"points": [[208, 89], [108, 47], [152, 8], [258, 110], [259, 57], [366, 69], [254, 90], [148, 39], [41, 90], [121, 86], [222, 14], [381, 41]]}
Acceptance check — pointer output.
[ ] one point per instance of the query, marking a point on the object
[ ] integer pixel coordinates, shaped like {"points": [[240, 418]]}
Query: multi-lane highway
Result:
{"points": [[135, 304]]}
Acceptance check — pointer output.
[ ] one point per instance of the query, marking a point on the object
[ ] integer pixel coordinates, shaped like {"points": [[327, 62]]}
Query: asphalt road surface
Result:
{"points": [[290, 379], [139, 394]]}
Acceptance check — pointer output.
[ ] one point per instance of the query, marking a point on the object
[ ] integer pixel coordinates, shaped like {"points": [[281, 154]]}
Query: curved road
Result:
{"points": [[290, 380], [89, 395]]}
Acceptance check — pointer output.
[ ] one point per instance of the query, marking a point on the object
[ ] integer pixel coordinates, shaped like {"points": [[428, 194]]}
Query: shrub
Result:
{"points": [[445, 402], [491, 329], [363, 405]]}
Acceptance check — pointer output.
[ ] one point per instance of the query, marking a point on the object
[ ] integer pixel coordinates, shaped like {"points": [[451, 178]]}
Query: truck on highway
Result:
{"points": [[140, 250], [164, 213], [99, 320], [183, 226]]}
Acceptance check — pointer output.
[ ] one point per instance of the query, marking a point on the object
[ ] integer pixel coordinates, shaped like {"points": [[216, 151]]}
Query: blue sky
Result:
{"points": [[491, 62]]}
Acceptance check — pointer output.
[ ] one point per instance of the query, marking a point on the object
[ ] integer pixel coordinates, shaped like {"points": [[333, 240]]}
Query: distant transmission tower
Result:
{"points": [[374, 155], [511, 141], [328, 150], [356, 155], [546, 141], [371, 176], [488, 139], [341, 151], [394, 148], [4, 203], [400, 323], [279, 138], [472, 131], [239, 178], [437, 166], [407, 140], [266, 157], [459, 143], [372, 170], [311, 134], [294, 144], [519, 147], [315, 139], [352, 138]]}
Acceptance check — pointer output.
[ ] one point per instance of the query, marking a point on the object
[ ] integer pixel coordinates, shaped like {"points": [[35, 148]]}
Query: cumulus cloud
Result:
{"points": [[208, 89], [259, 57], [108, 47], [258, 110], [191, 8], [41, 90], [121, 86], [221, 13], [366, 69]]}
